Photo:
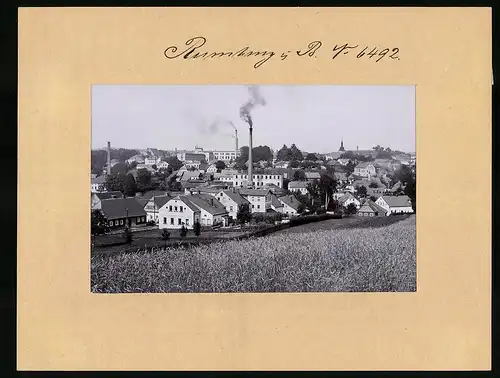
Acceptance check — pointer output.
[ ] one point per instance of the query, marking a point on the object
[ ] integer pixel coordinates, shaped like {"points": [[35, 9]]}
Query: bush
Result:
{"points": [[183, 231], [127, 235], [151, 223], [313, 218]]}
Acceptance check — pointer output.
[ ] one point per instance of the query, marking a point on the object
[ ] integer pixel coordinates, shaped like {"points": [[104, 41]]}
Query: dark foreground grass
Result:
{"points": [[347, 260]]}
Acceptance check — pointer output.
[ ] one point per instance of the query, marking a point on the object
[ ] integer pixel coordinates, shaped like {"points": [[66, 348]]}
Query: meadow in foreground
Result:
{"points": [[349, 260]]}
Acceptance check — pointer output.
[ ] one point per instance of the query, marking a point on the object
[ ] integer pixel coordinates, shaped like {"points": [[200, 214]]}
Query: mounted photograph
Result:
{"points": [[252, 189]]}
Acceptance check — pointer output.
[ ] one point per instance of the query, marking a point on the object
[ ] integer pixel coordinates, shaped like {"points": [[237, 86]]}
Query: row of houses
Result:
{"points": [[209, 206]]}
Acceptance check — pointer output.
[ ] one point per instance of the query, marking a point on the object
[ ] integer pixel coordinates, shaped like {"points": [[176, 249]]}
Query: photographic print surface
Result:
{"points": [[240, 188]]}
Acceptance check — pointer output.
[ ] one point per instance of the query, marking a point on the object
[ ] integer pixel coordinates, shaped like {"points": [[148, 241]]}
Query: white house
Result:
{"points": [[231, 199], [260, 199], [212, 168], [310, 176], [347, 199], [212, 212], [187, 209], [298, 186], [260, 180], [178, 211], [150, 161], [281, 164], [290, 205], [97, 184], [153, 207], [162, 165], [365, 169], [395, 204]]}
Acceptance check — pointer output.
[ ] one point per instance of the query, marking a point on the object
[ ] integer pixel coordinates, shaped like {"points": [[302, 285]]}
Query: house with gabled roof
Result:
{"points": [[123, 211], [276, 204], [347, 199], [290, 205], [371, 209], [231, 199], [298, 186], [260, 199], [310, 176], [97, 184], [365, 169], [98, 197], [153, 206], [186, 210], [395, 204]]}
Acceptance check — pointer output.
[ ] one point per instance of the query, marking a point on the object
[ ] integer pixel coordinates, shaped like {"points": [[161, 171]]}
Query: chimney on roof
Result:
{"points": [[109, 158], [234, 189]]}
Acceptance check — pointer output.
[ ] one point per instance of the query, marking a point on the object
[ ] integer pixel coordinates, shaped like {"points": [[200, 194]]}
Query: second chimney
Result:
{"points": [[109, 158]]}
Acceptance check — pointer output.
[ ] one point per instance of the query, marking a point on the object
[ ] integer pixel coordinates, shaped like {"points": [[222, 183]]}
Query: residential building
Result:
{"points": [[343, 161], [290, 205], [153, 206], [375, 192], [149, 167], [395, 204], [282, 164], [371, 209], [365, 169], [162, 165], [188, 209], [211, 168], [225, 156], [123, 211], [310, 176], [260, 199], [150, 161], [231, 199], [97, 184], [98, 197], [275, 189], [260, 180], [136, 159], [275, 205], [348, 199], [298, 186]]}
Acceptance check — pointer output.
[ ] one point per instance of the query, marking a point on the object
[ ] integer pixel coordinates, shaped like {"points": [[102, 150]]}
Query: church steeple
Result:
{"points": [[342, 145]]}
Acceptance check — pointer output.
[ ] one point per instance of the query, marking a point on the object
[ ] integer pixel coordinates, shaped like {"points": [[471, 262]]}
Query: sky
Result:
{"points": [[314, 117]]}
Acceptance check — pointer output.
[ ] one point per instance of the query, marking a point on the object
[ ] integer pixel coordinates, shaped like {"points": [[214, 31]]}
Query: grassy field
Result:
{"points": [[363, 257]]}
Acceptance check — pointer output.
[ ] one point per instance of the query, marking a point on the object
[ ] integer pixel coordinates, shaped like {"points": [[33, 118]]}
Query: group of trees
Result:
{"points": [[259, 153], [320, 194], [290, 154]]}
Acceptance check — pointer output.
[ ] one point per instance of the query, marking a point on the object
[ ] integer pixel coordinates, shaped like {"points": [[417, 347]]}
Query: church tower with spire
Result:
{"points": [[342, 145]]}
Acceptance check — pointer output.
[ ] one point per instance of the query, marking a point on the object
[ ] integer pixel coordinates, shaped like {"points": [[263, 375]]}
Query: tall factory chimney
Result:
{"points": [[236, 141], [109, 158], [250, 161]]}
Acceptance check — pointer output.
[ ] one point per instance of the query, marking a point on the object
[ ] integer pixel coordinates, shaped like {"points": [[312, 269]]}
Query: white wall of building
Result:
{"points": [[174, 213]]}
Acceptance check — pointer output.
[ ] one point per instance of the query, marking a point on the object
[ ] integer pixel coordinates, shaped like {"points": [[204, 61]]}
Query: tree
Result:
{"points": [[314, 193], [283, 154], [373, 198], [119, 168], [311, 157], [154, 167], [294, 164], [285, 183], [361, 190], [244, 215], [301, 208], [295, 153], [183, 231], [165, 235], [143, 180], [127, 235], [373, 185], [350, 209], [173, 162], [349, 168], [197, 228], [220, 165], [262, 153], [130, 186], [115, 183], [299, 175], [98, 224], [328, 186]]}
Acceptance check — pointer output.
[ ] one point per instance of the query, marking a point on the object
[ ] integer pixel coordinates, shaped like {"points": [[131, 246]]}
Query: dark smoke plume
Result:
{"points": [[220, 122], [254, 100]]}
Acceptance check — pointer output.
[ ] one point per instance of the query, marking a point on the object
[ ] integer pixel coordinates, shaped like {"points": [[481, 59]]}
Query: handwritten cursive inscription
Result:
{"points": [[192, 49], [194, 44]]}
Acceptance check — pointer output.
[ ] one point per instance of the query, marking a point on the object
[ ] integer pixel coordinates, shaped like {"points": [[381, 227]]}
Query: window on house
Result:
{"points": [[253, 206], [121, 222], [171, 220], [231, 208], [164, 220], [258, 206], [180, 208], [116, 223], [187, 222], [170, 208], [110, 223], [179, 221], [175, 208]]}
